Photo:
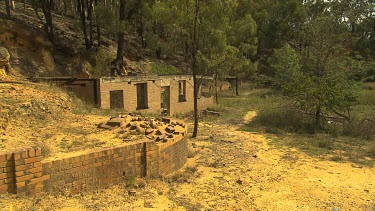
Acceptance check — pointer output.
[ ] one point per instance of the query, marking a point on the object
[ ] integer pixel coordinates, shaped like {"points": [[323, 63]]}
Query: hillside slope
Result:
{"points": [[45, 116], [33, 54]]}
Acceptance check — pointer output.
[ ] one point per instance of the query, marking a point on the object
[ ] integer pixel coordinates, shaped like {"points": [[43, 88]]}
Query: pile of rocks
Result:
{"points": [[157, 129]]}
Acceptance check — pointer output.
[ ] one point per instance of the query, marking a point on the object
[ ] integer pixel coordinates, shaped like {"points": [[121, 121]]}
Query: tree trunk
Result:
{"points": [[48, 25], [99, 33], [90, 8], [195, 69], [216, 95], [317, 116], [8, 9], [121, 39], [81, 4], [12, 4], [237, 86]]}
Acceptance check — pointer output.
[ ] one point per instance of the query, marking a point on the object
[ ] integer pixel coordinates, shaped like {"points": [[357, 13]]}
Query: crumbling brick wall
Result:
{"points": [[21, 172], [154, 89], [130, 95], [173, 157], [25, 173]]}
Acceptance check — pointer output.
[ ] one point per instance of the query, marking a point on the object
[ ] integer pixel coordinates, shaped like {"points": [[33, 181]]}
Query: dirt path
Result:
{"points": [[242, 171]]}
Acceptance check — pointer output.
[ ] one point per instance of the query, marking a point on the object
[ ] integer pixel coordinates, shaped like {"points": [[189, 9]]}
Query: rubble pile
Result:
{"points": [[158, 129]]}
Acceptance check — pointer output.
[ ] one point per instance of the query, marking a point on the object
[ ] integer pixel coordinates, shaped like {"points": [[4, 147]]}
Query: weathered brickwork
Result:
{"points": [[173, 157], [154, 89], [21, 171], [7, 173], [25, 173]]}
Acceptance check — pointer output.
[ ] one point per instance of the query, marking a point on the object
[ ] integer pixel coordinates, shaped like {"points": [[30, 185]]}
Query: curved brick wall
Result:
{"points": [[25, 173]]}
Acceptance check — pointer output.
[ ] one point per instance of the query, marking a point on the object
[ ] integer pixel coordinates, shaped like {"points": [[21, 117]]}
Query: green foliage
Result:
{"points": [[164, 69], [317, 77], [106, 18], [102, 63]]}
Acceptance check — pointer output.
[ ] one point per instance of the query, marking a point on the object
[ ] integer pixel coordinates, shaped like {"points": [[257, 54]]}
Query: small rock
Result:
{"points": [[138, 129], [166, 120], [169, 129], [116, 122], [239, 181], [143, 125], [104, 126], [149, 131], [160, 138], [153, 124], [141, 119], [132, 192], [133, 126], [158, 132]]}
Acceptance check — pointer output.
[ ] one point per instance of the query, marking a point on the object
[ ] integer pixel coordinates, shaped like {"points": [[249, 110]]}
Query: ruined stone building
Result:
{"points": [[168, 95]]}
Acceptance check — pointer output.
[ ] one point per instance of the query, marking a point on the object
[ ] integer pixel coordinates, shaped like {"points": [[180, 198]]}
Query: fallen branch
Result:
{"points": [[11, 82], [211, 112]]}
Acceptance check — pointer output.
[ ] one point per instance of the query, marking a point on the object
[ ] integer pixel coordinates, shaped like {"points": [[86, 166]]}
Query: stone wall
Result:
{"points": [[24, 172]]}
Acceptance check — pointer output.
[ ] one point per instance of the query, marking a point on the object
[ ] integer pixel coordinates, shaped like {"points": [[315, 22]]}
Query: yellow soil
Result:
{"points": [[227, 170]]}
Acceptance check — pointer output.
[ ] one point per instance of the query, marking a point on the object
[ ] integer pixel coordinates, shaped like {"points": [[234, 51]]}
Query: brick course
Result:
{"points": [[154, 88], [25, 173]]}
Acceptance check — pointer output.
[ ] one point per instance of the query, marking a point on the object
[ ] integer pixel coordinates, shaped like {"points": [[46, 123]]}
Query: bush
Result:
{"points": [[164, 69], [360, 128], [283, 119], [366, 97], [371, 150]]}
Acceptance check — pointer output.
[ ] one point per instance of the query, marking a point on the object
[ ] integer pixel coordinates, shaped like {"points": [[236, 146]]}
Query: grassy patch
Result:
{"points": [[164, 69], [371, 150], [288, 128], [366, 97]]}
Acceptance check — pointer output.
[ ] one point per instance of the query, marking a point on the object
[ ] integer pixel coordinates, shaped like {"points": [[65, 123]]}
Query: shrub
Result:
{"points": [[283, 119], [164, 69], [371, 150], [356, 128]]}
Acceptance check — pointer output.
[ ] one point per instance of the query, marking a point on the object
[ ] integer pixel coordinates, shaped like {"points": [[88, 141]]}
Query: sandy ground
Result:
{"points": [[231, 170], [227, 169]]}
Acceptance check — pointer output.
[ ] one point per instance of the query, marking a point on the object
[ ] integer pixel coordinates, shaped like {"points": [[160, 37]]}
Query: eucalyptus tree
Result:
{"points": [[316, 76]]}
